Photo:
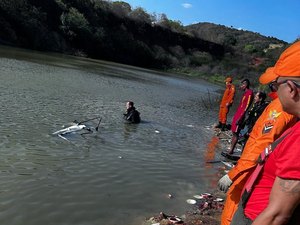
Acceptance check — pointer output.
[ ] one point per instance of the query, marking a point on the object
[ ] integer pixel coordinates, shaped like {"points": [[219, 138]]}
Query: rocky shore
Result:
{"points": [[207, 207]]}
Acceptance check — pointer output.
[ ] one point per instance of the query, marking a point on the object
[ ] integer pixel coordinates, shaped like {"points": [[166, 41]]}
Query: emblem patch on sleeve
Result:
{"points": [[271, 121]]}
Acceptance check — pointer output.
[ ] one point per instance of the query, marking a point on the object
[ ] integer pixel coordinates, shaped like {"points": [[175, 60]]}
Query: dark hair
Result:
{"points": [[262, 95], [246, 81], [130, 103], [271, 86]]}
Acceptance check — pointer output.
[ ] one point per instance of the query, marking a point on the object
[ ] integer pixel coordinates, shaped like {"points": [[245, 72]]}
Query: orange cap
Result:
{"points": [[288, 65], [268, 76], [228, 79]]}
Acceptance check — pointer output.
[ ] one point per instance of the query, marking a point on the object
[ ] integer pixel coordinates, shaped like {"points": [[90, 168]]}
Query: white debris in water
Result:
{"points": [[190, 125], [157, 131], [191, 201]]}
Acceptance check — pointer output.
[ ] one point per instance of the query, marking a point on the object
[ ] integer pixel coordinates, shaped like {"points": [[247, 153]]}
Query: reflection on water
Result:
{"points": [[210, 151], [118, 175], [209, 156]]}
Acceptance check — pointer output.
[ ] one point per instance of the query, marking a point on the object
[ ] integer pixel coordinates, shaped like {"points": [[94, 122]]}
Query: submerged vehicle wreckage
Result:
{"points": [[76, 127]]}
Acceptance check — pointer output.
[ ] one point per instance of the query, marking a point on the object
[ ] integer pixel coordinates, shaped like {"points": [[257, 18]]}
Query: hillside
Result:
{"points": [[247, 53], [114, 31]]}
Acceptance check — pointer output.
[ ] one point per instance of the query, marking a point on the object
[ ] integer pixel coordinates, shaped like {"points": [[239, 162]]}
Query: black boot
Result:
{"points": [[219, 125], [223, 127]]}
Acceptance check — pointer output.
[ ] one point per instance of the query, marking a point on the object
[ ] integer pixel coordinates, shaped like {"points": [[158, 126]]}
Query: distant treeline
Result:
{"points": [[101, 29], [114, 31]]}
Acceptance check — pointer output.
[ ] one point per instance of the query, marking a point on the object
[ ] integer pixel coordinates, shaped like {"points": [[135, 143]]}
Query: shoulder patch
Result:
{"points": [[269, 124]]}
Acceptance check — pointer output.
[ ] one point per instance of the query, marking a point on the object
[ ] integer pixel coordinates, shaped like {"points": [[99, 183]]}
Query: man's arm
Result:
{"points": [[284, 198]]}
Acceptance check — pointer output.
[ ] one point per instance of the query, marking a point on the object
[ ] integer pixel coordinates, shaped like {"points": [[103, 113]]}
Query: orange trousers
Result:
{"points": [[233, 199], [223, 114]]}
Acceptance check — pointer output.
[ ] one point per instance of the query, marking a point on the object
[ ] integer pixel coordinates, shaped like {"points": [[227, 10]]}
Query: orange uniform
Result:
{"points": [[226, 102], [269, 126]]}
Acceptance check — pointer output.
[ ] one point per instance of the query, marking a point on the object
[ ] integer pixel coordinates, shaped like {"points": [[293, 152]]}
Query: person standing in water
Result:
{"points": [[131, 115]]}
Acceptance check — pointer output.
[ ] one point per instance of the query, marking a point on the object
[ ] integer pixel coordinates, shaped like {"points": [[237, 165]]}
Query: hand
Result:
{"points": [[224, 183]]}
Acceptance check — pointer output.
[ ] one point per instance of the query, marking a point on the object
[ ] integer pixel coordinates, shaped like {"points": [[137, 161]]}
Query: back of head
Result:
{"points": [[262, 95]]}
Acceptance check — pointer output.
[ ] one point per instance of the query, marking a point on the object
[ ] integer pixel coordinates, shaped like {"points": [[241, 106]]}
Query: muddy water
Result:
{"points": [[119, 175]]}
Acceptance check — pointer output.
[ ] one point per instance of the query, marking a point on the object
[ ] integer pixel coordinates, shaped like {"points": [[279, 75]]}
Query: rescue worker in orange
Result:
{"points": [[226, 102], [269, 126]]}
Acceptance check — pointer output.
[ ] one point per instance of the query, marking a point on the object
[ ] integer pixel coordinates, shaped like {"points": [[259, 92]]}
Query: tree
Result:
{"points": [[121, 9], [74, 22], [175, 26], [139, 14]]}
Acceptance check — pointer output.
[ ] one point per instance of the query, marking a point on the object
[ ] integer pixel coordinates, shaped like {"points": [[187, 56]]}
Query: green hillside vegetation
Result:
{"points": [[116, 32], [247, 54]]}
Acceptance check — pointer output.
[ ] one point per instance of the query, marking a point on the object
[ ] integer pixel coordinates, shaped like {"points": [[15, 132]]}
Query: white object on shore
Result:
{"points": [[198, 196], [218, 200], [206, 194], [191, 201]]}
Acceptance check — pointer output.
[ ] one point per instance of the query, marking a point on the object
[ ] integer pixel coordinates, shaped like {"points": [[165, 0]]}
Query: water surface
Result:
{"points": [[120, 175]]}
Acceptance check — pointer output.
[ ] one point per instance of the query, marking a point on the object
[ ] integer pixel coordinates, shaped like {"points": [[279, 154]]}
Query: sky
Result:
{"points": [[275, 18]]}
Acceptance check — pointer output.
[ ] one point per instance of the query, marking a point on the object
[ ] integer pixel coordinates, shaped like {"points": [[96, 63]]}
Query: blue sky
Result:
{"points": [[276, 18]]}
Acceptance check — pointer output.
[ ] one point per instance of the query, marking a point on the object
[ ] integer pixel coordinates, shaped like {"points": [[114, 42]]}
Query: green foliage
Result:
{"points": [[74, 22], [141, 15], [13, 7], [175, 26], [121, 8], [61, 4], [217, 78], [199, 58], [112, 30], [99, 34], [230, 39], [177, 51], [250, 49]]}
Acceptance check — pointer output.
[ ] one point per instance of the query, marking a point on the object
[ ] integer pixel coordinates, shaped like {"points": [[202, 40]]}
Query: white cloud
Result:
{"points": [[187, 5]]}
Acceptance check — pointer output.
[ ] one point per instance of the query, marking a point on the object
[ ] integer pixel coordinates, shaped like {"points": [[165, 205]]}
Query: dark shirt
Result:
{"points": [[252, 115], [132, 115]]}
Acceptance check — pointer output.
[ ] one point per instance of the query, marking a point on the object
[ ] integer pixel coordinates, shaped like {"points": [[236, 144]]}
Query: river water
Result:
{"points": [[123, 173]]}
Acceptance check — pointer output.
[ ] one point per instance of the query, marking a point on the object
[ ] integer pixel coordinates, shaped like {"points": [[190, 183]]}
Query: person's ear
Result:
{"points": [[293, 89]]}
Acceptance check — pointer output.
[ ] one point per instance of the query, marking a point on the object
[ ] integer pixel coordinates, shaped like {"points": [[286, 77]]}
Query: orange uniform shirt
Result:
{"points": [[228, 95], [226, 102], [269, 126]]}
